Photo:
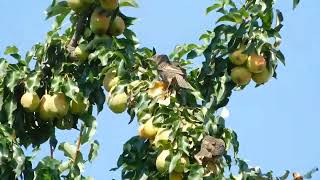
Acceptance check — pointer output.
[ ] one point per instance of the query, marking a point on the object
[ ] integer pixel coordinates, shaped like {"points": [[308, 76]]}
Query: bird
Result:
{"points": [[211, 149], [171, 73]]}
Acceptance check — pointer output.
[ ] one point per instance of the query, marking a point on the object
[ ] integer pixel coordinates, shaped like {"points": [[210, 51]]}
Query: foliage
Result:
{"points": [[186, 115]]}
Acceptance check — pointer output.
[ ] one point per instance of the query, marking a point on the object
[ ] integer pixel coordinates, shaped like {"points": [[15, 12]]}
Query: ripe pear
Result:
{"points": [[30, 101], [45, 111], [240, 75], [162, 162], [238, 57], [78, 107], [78, 5], [81, 52], [118, 103], [256, 63], [110, 80], [176, 176], [182, 164], [109, 5], [59, 105], [148, 130], [117, 27], [263, 77], [99, 22]]}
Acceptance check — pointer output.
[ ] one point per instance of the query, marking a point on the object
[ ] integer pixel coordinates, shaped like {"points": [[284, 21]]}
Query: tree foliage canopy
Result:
{"points": [[58, 84]]}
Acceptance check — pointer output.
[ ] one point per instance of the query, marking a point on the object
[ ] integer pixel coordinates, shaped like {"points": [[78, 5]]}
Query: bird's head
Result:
{"points": [[161, 58]]}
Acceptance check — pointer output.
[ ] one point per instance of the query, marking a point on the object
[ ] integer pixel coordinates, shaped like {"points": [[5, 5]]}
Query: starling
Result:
{"points": [[171, 73], [211, 149]]}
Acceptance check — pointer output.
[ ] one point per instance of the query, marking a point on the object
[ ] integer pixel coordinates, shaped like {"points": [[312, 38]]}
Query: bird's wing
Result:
{"points": [[177, 70], [182, 82]]}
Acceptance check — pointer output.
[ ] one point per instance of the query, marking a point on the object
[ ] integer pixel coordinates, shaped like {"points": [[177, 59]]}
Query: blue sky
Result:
{"points": [[277, 124]]}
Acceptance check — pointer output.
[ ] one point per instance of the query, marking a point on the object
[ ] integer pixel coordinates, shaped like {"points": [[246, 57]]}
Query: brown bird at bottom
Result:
{"points": [[171, 73], [211, 150]]}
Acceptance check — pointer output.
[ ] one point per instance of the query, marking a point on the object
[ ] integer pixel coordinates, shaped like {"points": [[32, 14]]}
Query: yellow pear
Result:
{"points": [[148, 130], [263, 77], [117, 26], [240, 75], [99, 22], [30, 101], [162, 162], [118, 103], [45, 111], [59, 105], [256, 63], [78, 107]]}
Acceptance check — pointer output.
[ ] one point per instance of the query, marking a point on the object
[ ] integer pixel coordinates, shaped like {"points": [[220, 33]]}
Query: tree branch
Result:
{"points": [[80, 27]]}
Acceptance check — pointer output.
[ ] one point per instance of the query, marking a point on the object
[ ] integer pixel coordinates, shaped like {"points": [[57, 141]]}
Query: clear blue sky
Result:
{"points": [[278, 124]]}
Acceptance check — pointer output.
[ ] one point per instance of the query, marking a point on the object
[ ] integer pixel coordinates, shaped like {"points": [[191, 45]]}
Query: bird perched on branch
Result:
{"points": [[211, 149], [171, 73]]}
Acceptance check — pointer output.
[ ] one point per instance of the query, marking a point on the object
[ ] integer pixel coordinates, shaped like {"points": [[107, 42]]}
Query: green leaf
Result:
{"points": [[71, 89], [213, 7], [196, 172], [309, 174], [295, 3], [11, 50], [128, 3], [89, 129], [94, 148], [174, 161], [33, 82], [68, 149], [57, 8]]}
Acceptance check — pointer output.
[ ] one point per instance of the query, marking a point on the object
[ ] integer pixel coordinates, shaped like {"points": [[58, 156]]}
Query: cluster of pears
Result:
{"points": [[160, 138], [249, 67], [52, 107], [117, 101], [101, 22]]}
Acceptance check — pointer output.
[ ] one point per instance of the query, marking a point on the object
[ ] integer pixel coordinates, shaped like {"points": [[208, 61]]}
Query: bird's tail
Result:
{"points": [[183, 83]]}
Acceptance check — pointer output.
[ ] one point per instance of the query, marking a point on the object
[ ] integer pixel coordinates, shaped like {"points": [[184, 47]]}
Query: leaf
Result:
{"points": [[128, 3], [295, 3], [89, 129], [68, 149], [57, 8], [33, 82], [213, 7], [174, 161], [11, 50], [309, 174], [196, 172], [71, 89], [94, 148]]}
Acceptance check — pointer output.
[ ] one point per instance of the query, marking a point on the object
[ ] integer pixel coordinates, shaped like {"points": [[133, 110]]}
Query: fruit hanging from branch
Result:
{"points": [[30, 101], [99, 22], [256, 63], [241, 75], [118, 102], [117, 26]]}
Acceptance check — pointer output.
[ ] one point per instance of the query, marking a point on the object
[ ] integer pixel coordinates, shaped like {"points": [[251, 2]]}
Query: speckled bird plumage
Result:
{"points": [[211, 148], [171, 73]]}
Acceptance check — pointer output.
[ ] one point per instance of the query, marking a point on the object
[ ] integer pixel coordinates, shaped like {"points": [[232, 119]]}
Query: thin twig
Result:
{"points": [[78, 144]]}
